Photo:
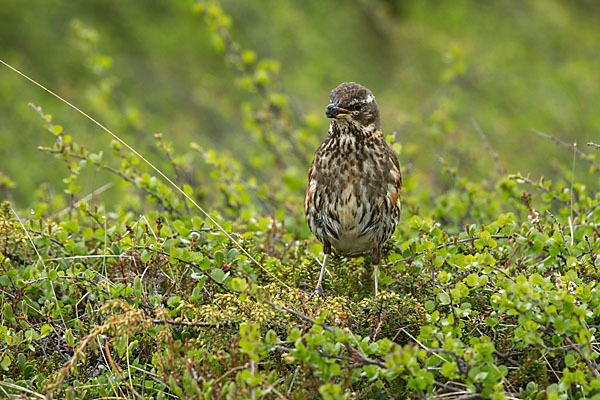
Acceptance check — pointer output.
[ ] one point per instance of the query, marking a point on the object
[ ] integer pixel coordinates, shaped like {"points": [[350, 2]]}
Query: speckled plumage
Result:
{"points": [[352, 201]]}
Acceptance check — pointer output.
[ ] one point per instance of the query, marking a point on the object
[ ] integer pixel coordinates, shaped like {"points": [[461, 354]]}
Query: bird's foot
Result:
{"points": [[318, 292]]}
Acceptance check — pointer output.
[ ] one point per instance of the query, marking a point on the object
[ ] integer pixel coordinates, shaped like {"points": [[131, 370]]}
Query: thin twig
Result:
{"points": [[40, 259], [23, 389], [358, 360], [488, 147], [441, 246], [115, 171], [538, 185], [592, 208], [594, 145], [158, 171], [87, 198], [293, 379], [449, 388], [296, 314], [590, 364], [561, 232], [567, 145], [512, 254], [591, 253], [47, 237], [229, 372], [186, 323]]}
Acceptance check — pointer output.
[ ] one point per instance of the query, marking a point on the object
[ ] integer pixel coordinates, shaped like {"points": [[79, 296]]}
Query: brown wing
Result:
{"points": [[308, 194], [395, 170]]}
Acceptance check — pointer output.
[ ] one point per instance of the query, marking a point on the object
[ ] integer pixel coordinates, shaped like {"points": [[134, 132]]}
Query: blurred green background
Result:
{"points": [[143, 67]]}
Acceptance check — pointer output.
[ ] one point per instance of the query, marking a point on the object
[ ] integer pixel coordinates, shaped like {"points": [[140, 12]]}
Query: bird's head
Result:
{"points": [[353, 104]]}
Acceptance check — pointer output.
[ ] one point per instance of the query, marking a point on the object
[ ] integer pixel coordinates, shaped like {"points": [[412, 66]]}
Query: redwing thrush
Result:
{"points": [[352, 201]]}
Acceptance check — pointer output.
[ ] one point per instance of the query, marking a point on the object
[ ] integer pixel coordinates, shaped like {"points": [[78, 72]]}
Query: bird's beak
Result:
{"points": [[334, 111]]}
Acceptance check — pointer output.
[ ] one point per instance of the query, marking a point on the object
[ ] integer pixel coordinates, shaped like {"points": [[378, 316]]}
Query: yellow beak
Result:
{"points": [[343, 112]]}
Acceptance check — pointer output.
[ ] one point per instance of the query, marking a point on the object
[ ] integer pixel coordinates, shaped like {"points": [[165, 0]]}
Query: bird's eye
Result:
{"points": [[358, 106]]}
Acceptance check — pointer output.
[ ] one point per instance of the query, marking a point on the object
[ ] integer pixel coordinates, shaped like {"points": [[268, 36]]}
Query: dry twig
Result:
{"points": [[490, 150], [569, 146]]}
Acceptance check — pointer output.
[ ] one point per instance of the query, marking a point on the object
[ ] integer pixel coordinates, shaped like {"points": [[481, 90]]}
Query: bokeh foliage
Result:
{"points": [[490, 282], [148, 67]]}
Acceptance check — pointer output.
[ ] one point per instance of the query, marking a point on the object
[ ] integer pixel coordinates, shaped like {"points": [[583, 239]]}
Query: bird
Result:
{"points": [[352, 201]]}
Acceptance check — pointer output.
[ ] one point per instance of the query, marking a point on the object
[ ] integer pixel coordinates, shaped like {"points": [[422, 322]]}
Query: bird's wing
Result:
{"points": [[395, 170], [308, 194]]}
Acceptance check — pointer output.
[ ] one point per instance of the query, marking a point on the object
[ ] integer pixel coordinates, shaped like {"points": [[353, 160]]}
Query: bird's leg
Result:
{"points": [[326, 250], [376, 272], [375, 260]]}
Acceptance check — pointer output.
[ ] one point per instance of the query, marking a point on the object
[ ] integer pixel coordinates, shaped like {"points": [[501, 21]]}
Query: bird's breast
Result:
{"points": [[351, 196]]}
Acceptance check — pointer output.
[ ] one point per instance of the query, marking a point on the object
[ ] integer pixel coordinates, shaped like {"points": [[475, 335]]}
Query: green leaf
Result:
{"points": [[536, 279], [569, 360], [492, 321], [197, 223], [205, 264], [45, 330], [459, 291], [145, 256], [429, 305], [181, 228], [415, 222], [218, 275], [472, 280], [334, 369], [248, 56], [73, 188], [219, 258], [449, 369], [271, 337], [8, 312], [443, 298], [295, 334], [5, 363], [52, 275]]}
